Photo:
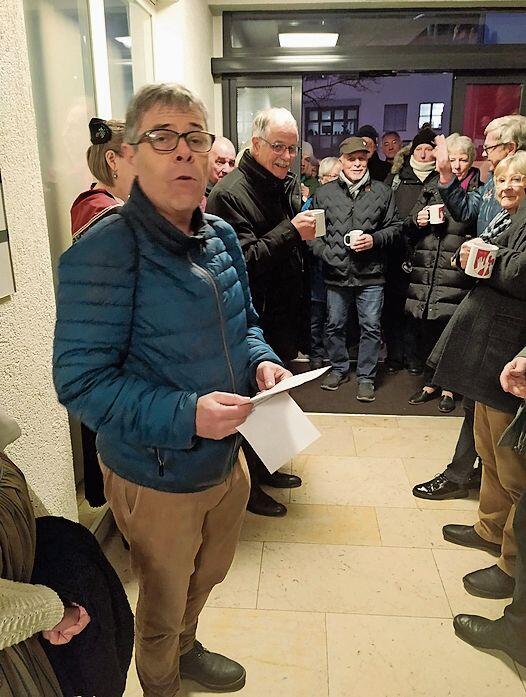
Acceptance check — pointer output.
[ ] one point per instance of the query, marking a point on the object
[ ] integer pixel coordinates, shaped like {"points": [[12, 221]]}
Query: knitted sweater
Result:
{"points": [[26, 609]]}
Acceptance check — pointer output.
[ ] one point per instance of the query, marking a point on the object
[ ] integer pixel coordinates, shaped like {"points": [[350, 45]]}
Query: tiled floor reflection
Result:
{"points": [[353, 593]]}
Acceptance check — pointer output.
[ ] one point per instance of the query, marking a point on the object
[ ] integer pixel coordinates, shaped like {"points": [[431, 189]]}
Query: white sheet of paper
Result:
{"points": [[288, 384], [278, 430]]}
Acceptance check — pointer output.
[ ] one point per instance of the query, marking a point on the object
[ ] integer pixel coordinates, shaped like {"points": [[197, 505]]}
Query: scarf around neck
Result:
{"points": [[422, 169], [355, 187]]}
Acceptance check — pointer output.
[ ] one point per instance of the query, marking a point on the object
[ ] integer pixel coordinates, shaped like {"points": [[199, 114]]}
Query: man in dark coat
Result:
{"points": [[259, 199], [354, 266], [378, 169]]}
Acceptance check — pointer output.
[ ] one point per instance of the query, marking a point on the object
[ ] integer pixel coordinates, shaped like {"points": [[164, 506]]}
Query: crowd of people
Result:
{"points": [[222, 277]]}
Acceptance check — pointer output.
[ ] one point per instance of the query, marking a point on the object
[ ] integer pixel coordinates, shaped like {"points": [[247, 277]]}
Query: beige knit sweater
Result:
{"points": [[26, 609]]}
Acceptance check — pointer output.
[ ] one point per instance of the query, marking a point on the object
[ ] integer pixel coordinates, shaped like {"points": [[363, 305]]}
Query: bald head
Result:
{"points": [[221, 159]]}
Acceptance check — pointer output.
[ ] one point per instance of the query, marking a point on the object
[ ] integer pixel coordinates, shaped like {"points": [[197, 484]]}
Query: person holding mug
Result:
{"points": [[486, 332], [435, 287]]}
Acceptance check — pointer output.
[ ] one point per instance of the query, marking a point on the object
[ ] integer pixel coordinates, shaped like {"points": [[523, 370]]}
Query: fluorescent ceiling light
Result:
{"points": [[124, 40], [296, 40]]}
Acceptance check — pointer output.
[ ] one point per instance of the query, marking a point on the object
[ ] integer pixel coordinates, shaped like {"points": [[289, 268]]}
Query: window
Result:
{"points": [[431, 112], [395, 117], [326, 127]]}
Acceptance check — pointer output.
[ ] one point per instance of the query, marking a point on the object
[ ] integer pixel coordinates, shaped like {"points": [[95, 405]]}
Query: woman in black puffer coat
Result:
{"points": [[436, 288]]}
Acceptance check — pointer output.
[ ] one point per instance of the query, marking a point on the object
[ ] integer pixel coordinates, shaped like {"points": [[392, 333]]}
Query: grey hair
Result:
{"points": [[516, 163], [456, 142], [264, 119], [162, 93], [327, 165], [509, 129]]}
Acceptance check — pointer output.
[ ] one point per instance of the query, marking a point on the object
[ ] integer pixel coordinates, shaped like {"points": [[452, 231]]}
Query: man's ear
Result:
{"points": [[128, 152], [256, 145]]}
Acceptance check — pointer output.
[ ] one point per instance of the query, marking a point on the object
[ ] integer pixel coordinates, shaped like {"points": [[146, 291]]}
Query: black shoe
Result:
{"points": [[488, 634], [211, 670], [261, 503], [334, 380], [280, 480], [316, 363], [466, 536], [446, 404], [475, 478], [439, 489], [392, 368], [421, 397], [365, 392], [492, 582], [415, 369]]}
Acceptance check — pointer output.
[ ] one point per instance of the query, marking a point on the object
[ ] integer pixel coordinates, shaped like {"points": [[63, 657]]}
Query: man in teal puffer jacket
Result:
{"points": [[157, 349]]}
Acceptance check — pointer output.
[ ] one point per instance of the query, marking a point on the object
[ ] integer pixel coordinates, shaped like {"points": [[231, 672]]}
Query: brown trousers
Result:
{"points": [[181, 546], [503, 482]]}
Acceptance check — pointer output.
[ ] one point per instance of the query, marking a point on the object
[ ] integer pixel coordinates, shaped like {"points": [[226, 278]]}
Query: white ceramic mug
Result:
{"points": [[350, 237], [436, 214], [319, 214], [481, 258]]}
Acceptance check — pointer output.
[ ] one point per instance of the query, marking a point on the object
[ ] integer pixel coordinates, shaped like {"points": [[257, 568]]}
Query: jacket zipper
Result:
{"points": [[210, 279]]}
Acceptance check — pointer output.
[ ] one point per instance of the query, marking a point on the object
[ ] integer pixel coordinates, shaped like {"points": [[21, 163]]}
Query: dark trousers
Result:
{"points": [[393, 327], [257, 469], [318, 313], [421, 337], [463, 462], [515, 614]]}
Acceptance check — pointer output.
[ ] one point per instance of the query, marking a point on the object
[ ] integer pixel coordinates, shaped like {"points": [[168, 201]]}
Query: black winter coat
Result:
{"points": [[259, 206], [69, 560], [488, 328], [436, 288], [372, 211]]}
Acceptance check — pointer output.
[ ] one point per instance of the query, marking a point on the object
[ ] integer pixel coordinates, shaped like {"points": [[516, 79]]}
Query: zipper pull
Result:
{"points": [[161, 463]]}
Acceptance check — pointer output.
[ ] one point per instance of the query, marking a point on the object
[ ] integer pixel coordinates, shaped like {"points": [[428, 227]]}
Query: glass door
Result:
{"points": [[477, 100], [244, 97]]}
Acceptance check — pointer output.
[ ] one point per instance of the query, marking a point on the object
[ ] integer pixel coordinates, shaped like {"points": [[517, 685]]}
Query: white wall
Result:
{"points": [[183, 46], [27, 318]]}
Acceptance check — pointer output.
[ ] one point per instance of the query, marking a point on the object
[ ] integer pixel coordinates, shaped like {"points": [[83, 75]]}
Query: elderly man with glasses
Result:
{"points": [[259, 199], [157, 349]]}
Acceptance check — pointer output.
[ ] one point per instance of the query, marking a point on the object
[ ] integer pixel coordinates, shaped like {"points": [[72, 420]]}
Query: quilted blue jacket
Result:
{"points": [[148, 320]]}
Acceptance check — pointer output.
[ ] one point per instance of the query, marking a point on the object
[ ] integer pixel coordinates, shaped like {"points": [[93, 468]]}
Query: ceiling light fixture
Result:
{"points": [[297, 40]]}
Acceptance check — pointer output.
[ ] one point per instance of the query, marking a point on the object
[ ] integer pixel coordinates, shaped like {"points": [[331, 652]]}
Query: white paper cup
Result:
{"points": [[319, 214], [481, 259], [350, 237], [436, 214]]}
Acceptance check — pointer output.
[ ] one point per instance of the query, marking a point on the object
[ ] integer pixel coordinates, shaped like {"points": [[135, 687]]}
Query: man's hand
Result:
{"points": [[422, 217], [305, 192], [74, 621], [465, 250], [443, 165], [218, 414], [363, 243], [513, 377], [305, 224], [269, 374]]}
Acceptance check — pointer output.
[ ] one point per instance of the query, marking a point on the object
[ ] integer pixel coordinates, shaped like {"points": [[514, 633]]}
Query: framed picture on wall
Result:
{"points": [[7, 281]]}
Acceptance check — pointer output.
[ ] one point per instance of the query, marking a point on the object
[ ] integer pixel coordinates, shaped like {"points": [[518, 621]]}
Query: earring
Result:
{"points": [[115, 175]]}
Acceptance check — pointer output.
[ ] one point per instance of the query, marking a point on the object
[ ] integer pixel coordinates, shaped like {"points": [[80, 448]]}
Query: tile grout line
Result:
{"points": [[259, 575], [442, 584], [327, 654]]}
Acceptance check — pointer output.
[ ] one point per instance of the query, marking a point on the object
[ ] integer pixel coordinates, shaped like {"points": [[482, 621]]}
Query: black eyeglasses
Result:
{"points": [[486, 148], [166, 140], [279, 148]]}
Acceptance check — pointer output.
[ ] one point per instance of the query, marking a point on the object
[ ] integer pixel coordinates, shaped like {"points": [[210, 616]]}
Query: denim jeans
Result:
{"points": [[369, 302], [318, 312]]}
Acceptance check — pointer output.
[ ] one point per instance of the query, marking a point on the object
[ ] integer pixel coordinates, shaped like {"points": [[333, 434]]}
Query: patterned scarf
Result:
{"points": [[500, 222], [355, 187]]}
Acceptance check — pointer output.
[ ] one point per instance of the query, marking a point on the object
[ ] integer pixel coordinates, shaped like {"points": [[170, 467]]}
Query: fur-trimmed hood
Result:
{"points": [[400, 158]]}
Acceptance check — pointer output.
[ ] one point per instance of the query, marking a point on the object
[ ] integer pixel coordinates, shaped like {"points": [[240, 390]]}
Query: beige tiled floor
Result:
{"points": [[352, 594]]}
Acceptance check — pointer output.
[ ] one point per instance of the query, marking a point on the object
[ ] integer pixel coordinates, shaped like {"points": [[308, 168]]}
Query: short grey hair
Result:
{"points": [[509, 129], [515, 164], [163, 93], [266, 118], [458, 143], [327, 165]]}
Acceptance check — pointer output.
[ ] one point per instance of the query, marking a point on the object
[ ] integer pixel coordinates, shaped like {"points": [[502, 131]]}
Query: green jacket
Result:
{"points": [[515, 435]]}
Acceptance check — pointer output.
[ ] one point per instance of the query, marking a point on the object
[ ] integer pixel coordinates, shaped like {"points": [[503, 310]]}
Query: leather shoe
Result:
{"points": [[415, 369], [280, 480], [421, 397], [489, 583], [466, 536], [446, 404], [439, 489], [212, 670], [261, 503], [487, 634], [316, 363]]}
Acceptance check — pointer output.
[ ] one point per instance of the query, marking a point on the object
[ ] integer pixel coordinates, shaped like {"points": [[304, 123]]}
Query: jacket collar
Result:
{"points": [[139, 211], [253, 170]]}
